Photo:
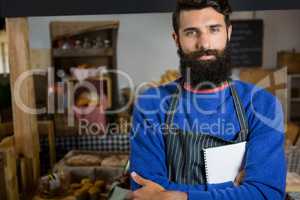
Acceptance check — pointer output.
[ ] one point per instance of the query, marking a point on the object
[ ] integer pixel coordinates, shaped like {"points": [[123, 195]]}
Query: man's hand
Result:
{"points": [[153, 191], [146, 183]]}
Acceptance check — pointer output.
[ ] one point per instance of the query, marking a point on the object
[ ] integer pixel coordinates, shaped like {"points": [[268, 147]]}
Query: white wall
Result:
{"points": [[145, 46]]}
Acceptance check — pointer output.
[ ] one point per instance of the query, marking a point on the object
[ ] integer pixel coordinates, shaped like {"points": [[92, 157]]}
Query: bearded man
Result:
{"points": [[173, 123]]}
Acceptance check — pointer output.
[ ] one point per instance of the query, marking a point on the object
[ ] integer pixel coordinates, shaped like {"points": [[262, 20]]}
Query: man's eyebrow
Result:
{"points": [[215, 25], [196, 29], [190, 29]]}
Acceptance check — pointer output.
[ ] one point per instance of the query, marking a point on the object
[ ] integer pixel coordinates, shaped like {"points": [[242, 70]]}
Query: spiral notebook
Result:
{"points": [[222, 164]]}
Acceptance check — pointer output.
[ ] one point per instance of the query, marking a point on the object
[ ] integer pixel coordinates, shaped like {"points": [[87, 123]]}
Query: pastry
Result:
{"points": [[100, 184], [75, 186], [94, 193]]}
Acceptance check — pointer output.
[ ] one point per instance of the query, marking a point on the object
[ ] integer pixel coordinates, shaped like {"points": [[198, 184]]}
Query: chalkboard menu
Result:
{"points": [[247, 43]]}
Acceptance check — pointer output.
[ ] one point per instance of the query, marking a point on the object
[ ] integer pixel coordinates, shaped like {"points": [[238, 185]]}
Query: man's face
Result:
{"points": [[202, 41], [202, 29]]}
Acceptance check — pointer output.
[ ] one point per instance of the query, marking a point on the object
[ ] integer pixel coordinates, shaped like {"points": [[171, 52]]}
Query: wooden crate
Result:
{"points": [[108, 174], [291, 60], [273, 80]]}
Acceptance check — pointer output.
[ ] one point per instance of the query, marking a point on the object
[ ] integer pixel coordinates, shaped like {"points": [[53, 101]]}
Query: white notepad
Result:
{"points": [[222, 164]]}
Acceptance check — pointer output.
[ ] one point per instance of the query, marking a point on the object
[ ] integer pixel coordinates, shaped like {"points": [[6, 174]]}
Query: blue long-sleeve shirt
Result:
{"points": [[265, 169]]}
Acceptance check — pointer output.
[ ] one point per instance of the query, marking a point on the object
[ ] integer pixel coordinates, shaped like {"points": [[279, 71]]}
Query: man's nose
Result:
{"points": [[203, 41]]}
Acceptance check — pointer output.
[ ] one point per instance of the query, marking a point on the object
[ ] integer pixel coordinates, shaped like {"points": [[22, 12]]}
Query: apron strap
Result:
{"points": [[239, 110], [237, 104], [184, 150], [172, 108]]}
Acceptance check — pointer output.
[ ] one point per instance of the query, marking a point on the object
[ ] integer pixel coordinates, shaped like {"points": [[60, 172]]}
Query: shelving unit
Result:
{"points": [[294, 97], [60, 53], [90, 44], [66, 58]]}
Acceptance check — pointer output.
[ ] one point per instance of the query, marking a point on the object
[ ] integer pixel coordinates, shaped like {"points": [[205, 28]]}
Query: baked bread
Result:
{"points": [[84, 160], [114, 161]]}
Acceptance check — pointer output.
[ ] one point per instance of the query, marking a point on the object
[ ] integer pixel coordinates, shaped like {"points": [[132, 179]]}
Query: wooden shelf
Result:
{"points": [[103, 77], [294, 75], [68, 53], [61, 29], [295, 99]]}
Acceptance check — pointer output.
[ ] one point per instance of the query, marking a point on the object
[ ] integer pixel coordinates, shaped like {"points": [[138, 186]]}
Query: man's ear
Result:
{"points": [[229, 31], [175, 38]]}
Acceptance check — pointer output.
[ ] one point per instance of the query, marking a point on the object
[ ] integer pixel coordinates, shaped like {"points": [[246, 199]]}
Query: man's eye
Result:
{"points": [[191, 33], [214, 29]]}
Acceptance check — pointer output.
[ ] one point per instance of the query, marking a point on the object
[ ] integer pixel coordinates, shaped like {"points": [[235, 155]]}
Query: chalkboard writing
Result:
{"points": [[247, 43]]}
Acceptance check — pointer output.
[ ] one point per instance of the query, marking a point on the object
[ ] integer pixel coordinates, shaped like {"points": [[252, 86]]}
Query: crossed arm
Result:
{"points": [[152, 191], [265, 168]]}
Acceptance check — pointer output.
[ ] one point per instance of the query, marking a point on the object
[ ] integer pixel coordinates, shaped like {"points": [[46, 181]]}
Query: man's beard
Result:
{"points": [[205, 74]]}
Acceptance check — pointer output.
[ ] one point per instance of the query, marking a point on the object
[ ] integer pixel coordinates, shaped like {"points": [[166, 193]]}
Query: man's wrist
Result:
{"points": [[172, 195]]}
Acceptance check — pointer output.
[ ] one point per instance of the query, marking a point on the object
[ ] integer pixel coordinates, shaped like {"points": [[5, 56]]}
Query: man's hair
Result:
{"points": [[221, 6]]}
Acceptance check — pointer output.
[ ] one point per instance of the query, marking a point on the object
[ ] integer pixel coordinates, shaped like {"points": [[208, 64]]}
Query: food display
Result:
{"points": [[84, 71], [85, 175], [55, 184], [293, 182], [168, 76], [104, 165], [86, 189], [84, 160], [114, 161]]}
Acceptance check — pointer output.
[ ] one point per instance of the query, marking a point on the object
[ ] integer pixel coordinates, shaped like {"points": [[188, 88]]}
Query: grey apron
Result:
{"points": [[184, 149]]}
